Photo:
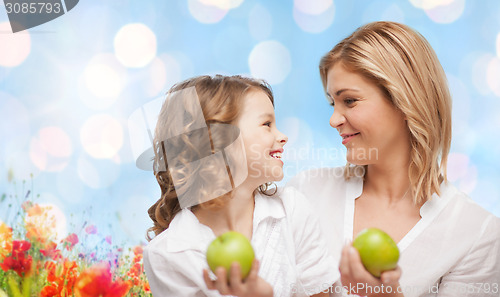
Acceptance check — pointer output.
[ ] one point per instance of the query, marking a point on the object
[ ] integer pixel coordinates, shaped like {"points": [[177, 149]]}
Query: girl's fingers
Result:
{"points": [[210, 283], [221, 282], [235, 276]]}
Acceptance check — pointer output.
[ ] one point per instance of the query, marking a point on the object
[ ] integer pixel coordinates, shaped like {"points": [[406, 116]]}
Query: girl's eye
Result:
{"points": [[267, 124]]}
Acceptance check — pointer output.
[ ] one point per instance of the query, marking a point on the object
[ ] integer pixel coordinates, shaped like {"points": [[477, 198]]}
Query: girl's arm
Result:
{"points": [[175, 275], [252, 286]]}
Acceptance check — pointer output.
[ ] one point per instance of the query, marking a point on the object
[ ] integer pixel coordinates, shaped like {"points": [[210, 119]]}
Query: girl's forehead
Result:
{"points": [[256, 105]]}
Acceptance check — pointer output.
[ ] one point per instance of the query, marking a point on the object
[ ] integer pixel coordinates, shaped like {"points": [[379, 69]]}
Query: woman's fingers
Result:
{"points": [[254, 272], [391, 277], [344, 262], [356, 268]]}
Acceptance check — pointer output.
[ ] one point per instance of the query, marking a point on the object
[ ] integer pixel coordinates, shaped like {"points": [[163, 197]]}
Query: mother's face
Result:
{"points": [[372, 129]]}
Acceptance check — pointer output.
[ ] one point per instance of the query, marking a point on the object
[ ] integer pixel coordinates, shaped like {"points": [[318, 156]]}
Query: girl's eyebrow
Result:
{"points": [[267, 115]]}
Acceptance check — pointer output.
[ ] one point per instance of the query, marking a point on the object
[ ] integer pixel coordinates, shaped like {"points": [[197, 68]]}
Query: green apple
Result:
{"points": [[230, 247], [377, 250]]}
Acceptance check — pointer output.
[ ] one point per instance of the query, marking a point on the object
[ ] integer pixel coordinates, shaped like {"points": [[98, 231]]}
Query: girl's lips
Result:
{"points": [[347, 137]]}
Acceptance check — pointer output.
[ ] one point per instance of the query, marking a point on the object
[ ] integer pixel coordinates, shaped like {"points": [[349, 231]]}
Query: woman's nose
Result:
{"points": [[337, 119]]}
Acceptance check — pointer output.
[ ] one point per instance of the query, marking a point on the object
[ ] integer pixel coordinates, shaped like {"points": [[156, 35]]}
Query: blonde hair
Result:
{"points": [[404, 66], [220, 99]]}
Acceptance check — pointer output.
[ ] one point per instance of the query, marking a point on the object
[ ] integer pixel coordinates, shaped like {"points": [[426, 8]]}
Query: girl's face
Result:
{"points": [[263, 141], [372, 129]]}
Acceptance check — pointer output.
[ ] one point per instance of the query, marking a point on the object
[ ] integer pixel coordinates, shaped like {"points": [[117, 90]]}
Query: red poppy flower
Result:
{"points": [[19, 260], [97, 281]]}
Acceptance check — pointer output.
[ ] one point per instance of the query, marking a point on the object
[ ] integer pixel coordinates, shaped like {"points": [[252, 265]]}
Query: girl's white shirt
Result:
{"points": [[286, 238], [453, 250]]}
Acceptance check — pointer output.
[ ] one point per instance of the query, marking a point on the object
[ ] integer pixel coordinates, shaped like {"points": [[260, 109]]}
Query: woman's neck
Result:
{"points": [[388, 183]]}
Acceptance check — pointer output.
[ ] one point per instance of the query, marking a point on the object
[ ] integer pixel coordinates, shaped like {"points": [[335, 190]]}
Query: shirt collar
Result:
{"points": [[268, 207], [187, 233], [430, 208]]}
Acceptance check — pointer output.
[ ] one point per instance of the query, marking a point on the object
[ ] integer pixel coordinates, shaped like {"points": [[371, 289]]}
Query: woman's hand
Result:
{"points": [[252, 286], [357, 280]]}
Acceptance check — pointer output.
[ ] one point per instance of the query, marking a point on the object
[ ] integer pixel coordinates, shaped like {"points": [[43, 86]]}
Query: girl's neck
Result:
{"points": [[235, 215]]}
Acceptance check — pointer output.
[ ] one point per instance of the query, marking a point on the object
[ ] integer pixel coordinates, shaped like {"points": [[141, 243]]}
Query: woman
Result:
{"points": [[392, 108]]}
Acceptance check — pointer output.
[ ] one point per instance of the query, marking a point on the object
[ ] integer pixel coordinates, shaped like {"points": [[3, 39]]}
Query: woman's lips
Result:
{"points": [[347, 137]]}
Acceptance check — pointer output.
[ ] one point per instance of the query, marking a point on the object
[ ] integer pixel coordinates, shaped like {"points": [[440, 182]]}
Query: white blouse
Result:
{"points": [[286, 239], [454, 250]]}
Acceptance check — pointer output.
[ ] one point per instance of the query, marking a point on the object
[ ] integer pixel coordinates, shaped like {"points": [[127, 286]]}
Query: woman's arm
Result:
{"points": [[358, 281], [478, 273]]}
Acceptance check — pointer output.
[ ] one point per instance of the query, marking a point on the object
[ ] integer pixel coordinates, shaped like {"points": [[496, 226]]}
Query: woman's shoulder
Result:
{"points": [[462, 208]]}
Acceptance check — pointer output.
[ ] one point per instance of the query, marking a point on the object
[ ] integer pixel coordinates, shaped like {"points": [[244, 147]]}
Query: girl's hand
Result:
{"points": [[252, 286], [357, 280]]}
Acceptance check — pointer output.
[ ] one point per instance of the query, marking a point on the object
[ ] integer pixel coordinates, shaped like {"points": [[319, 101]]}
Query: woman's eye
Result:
{"points": [[267, 124], [349, 101]]}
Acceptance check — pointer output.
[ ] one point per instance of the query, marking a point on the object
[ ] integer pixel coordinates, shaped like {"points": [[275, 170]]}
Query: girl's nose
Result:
{"points": [[282, 138]]}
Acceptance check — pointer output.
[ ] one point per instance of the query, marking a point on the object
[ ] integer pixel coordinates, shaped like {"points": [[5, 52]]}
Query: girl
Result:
{"points": [[292, 256]]}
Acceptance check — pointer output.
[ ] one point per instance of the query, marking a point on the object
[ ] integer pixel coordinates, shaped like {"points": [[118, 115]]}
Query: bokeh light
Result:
{"points": [[15, 130], [468, 182], [271, 61], [316, 19], [14, 48], [493, 75], [312, 7], [430, 4], [51, 149], [70, 186], [260, 22], [498, 45], [102, 136], [458, 164], [174, 70], [222, 4], [97, 174], [206, 13], [105, 79], [135, 45], [394, 13], [479, 73], [156, 79], [444, 11], [461, 103]]}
